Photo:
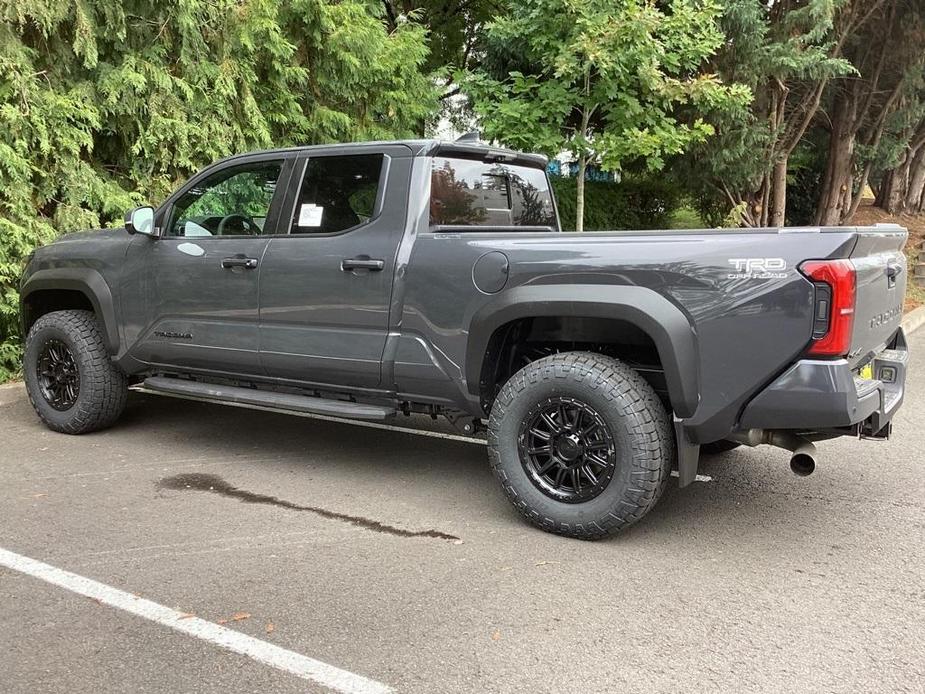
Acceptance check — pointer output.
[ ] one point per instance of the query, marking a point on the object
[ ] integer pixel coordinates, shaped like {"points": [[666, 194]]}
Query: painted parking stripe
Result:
{"points": [[261, 651]]}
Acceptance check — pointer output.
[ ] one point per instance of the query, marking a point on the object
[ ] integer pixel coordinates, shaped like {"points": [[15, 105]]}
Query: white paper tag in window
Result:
{"points": [[310, 215]]}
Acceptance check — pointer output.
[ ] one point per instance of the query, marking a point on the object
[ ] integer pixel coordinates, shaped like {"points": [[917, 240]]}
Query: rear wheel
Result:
{"points": [[71, 380], [581, 443]]}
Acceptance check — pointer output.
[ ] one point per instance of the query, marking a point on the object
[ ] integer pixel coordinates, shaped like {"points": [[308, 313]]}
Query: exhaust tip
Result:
{"points": [[802, 464]]}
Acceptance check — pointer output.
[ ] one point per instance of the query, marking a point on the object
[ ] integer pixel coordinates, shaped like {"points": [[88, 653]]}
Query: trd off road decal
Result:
{"points": [[758, 268]]}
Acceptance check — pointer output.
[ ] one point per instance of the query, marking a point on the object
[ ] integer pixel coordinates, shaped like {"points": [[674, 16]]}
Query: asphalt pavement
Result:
{"points": [[395, 556]]}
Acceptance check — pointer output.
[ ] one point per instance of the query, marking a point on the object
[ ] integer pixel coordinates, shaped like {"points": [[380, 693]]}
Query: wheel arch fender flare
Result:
{"points": [[665, 323], [88, 282]]}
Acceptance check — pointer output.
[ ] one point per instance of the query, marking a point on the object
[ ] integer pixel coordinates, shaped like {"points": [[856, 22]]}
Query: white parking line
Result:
{"points": [[261, 651]]}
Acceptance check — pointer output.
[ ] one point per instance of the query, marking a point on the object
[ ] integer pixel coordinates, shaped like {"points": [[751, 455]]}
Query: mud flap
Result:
{"points": [[688, 455]]}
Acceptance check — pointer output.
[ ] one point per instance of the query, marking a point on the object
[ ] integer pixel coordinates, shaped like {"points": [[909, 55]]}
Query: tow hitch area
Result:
{"points": [[866, 430]]}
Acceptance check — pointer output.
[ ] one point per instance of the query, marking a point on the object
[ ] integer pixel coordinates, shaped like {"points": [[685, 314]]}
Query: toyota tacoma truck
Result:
{"points": [[374, 280]]}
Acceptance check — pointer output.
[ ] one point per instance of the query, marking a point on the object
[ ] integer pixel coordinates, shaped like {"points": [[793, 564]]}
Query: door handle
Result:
{"points": [[239, 261], [372, 264]]}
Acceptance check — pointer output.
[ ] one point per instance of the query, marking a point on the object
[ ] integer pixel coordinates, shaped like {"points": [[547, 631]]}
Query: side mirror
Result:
{"points": [[140, 221]]}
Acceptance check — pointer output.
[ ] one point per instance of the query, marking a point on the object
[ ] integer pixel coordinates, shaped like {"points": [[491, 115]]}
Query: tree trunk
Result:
{"points": [[885, 189], [900, 184], [778, 184], [580, 194], [913, 199], [838, 180], [583, 159], [901, 189]]}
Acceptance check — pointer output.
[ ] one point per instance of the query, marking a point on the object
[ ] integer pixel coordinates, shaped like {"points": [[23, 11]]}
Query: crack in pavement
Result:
{"points": [[203, 482]]}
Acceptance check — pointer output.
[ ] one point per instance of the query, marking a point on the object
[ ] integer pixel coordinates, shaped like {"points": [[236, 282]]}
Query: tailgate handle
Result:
{"points": [[893, 270]]}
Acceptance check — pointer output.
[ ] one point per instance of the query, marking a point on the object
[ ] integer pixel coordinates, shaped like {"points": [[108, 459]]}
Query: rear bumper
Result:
{"points": [[816, 394]]}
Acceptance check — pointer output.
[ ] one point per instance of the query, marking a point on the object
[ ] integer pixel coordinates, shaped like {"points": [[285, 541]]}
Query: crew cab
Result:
{"points": [[373, 280]]}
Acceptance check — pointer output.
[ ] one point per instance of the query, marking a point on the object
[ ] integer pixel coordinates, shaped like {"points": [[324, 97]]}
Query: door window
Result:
{"points": [[337, 193], [231, 202]]}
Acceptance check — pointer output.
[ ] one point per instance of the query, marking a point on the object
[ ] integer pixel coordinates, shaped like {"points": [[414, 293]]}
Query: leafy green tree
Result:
{"points": [[889, 76], [789, 52], [612, 83], [453, 29], [107, 103], [898, 161]]}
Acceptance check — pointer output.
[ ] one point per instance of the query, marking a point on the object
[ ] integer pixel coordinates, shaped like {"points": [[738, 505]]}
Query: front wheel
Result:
{"points": [[71, 380], [581, 443]]}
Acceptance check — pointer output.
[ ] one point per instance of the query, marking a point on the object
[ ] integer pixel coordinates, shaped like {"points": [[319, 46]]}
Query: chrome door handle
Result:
{"points": [[249, 263], [362, 264]]}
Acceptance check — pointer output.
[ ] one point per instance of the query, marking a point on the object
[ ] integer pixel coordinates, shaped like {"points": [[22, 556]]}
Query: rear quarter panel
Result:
{"points": [[748, 325]]}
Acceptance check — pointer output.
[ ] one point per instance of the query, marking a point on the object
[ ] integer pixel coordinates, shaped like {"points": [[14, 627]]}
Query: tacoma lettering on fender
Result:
{"points": [[379, 279]]}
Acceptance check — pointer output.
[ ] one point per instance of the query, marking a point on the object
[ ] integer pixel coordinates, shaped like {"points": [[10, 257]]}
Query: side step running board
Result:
{"points": [[263, 399]]}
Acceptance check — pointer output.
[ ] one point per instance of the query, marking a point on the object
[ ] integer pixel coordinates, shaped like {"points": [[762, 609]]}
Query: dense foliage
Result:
{"points": [[106, 103], [833, 80], [636, 202], [611, 83], [758, 112]]}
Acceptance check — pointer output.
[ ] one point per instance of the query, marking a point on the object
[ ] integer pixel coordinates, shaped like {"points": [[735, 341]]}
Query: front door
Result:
{"points": [[201, 274], [325, 286]]}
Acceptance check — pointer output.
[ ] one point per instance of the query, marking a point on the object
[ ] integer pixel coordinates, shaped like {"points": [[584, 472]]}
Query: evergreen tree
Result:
{"points": [[106, 104]]}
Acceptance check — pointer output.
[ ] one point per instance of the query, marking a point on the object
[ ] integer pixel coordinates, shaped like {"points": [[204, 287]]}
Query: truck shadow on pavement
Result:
{"points": [[423, 467], [450, 475]]}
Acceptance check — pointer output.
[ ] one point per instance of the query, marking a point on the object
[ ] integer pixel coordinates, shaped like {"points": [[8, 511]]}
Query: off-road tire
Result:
{"points": [[717, 447], [103, 387], [642, 433]]}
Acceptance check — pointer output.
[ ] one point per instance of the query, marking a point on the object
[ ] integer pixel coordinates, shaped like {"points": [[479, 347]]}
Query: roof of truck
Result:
{"points": [[466, 147]]}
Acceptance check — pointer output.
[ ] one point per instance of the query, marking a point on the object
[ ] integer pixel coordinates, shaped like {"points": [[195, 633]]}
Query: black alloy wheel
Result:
{"points": [[72, 381], [58, 375], [581, 444], [567, 450]]}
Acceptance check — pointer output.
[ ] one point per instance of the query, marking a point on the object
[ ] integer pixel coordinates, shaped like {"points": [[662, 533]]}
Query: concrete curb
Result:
{"points": [[914, 320]]}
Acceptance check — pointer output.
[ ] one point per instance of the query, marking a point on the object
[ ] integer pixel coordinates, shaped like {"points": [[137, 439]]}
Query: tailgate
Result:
{"points": [[881, 288]]}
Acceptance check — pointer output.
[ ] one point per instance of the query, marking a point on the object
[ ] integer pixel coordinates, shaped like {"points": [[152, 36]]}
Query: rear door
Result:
{"points": [[326, 280], [200, 282], [881, 288]]}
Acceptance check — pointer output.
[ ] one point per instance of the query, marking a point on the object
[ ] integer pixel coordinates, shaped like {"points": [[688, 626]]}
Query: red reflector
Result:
{"points": [[840, 276]]}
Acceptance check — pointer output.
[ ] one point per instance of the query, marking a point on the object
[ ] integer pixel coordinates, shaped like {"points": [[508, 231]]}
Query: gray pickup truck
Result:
{"points": [[372, 280]]}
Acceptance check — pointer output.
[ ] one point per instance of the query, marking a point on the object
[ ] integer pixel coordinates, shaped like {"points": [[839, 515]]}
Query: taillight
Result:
{"points": [[834, 305]]}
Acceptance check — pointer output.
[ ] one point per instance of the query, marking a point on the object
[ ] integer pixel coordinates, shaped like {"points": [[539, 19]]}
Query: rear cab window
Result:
{"points": [[476, 193]]}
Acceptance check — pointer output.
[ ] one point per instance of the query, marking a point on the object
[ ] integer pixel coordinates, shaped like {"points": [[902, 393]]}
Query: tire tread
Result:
{"points": [[103, 386], [652, 437]]}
